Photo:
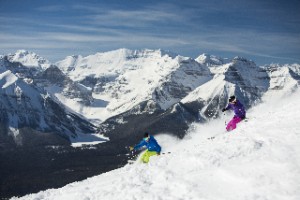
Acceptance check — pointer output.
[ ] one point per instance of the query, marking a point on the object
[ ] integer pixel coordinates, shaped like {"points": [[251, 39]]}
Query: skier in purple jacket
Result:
{"points": [[239, 112]]}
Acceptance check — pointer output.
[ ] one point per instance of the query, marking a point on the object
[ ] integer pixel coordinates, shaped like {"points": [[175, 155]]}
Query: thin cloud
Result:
{"points": [[51, 8], [144, 16], [122, 37], [133, 19]]}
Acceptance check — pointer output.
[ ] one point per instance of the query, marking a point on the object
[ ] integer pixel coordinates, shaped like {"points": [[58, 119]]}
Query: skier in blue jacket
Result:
{"points": [[153, 147], [239, 112]]}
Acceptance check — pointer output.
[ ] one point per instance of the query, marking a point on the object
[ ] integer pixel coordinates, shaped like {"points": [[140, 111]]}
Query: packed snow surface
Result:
{"points": [[258, 160]]}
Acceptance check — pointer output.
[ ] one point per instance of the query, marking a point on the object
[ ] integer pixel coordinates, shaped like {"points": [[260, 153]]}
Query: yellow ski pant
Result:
{"points": [[146, 156]]}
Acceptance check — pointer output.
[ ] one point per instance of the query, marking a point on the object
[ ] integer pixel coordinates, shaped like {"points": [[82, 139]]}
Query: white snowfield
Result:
{"points": [[257, 161]]}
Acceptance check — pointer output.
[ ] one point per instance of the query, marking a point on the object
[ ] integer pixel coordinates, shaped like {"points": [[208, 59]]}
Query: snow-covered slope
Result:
{"points": [[211, 60], [258, 160]]}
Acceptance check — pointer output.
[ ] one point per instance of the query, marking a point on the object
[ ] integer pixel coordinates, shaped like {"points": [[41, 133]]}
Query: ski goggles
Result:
{"points": [[233, 101], [146, 139]]}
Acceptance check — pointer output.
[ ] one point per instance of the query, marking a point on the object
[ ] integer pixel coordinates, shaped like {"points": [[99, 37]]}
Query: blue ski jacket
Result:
{"points": [[238, 109], [151, 145]]}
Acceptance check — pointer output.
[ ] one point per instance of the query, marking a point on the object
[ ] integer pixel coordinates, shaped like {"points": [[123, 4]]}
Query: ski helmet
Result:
{"points": [[231, 99], [146, 134]]}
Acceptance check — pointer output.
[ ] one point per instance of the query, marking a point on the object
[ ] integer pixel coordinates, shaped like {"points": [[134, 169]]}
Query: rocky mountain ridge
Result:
{"points": [[126, 92]]}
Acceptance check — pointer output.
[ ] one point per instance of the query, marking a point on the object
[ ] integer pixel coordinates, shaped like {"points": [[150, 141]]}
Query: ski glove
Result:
{"points": [[223, 110]]}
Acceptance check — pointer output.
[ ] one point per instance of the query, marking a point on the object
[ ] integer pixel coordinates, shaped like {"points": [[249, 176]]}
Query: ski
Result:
{"points": [[164, 153]]}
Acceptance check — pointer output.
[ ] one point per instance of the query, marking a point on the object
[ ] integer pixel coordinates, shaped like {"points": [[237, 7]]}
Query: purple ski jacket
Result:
{"points": [[238, 109]]}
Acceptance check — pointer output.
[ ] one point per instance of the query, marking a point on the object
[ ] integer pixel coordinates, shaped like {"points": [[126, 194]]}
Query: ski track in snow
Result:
{"points": [[257, 161]]}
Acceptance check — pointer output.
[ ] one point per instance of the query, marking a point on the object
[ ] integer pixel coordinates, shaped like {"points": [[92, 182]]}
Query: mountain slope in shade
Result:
{"points": [[23, 106], [258, 160], [240, 77], [45, 77]]}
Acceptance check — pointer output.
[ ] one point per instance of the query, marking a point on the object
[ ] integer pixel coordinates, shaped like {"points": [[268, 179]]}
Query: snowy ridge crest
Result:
{"points": [[211, 60], [29, 59]]}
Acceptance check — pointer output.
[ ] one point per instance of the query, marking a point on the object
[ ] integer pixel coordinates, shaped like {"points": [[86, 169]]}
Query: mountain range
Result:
{"points": [[123, 93]]}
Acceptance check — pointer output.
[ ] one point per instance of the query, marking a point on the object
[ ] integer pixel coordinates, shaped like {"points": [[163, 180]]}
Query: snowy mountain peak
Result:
{"points": [[74, 56], [246, 74], [122, 53], [206, 59], [128, 54], [274, 67], [284, 79], [69, 63], [111, 63], [29, 59], [22, 52], [239, 59]]}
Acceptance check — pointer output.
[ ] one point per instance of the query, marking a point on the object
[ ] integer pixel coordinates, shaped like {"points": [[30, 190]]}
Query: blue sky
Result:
{"points": [[265, 31]]}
